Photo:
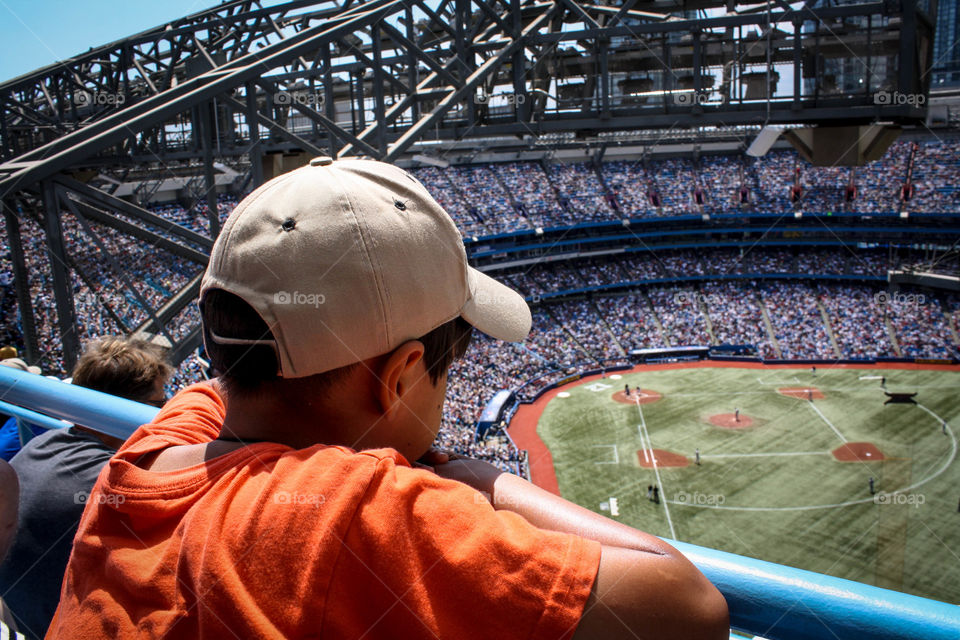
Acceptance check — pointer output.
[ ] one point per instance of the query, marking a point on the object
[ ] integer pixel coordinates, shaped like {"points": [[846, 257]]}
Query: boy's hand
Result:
{"points": [[434, 457]]}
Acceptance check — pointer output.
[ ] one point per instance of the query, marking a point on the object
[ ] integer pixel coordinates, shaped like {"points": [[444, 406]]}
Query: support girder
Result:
{"points": [[138, 213], [173, 306], [117, 223], [81, 144]]}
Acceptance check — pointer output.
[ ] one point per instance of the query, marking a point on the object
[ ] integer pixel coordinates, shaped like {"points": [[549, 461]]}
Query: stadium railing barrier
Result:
{"points": [[774, 601]]}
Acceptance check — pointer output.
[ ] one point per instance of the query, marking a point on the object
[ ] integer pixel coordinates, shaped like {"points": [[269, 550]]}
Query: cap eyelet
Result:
{"points": [[289, 224], [400, 205]]}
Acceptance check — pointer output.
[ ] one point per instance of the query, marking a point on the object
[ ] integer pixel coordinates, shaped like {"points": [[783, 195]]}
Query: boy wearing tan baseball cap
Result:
{"points": [[280, 500]]}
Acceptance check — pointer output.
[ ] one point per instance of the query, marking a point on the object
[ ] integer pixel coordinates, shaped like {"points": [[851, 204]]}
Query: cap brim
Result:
{"points": [[496, 309]]}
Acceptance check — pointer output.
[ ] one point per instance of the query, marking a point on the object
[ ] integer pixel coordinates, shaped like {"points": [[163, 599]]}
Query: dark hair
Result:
{"points": [[122, 367], [245, 368], [444, 345]]}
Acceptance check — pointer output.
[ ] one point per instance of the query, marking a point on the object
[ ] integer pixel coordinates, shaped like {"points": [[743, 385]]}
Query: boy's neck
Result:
{"points": [[266, 418], [257, 420]]}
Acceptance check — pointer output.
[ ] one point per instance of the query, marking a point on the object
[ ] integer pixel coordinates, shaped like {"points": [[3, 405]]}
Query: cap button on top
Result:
{"points": [[321, 161]]}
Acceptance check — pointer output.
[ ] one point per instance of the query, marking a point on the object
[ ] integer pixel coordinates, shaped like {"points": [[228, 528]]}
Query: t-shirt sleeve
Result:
{"points": [[192, 416], [429, 557]]}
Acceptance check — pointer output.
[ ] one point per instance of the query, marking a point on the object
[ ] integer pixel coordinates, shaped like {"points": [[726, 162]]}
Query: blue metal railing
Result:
{"points": [[766, 599], [21, 392]]}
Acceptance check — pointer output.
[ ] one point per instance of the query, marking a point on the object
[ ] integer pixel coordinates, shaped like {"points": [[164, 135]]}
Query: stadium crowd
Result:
{"points": [[497, 198], [796, 319], [803, 319]]}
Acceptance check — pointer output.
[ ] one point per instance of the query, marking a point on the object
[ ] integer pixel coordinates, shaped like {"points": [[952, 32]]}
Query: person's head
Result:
{"points": [[345, 280], [416, 370], [125, 367]]}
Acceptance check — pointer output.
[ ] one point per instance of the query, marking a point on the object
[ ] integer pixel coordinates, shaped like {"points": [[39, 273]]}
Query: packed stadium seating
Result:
{"points": [[802, 316], [512, 196]]}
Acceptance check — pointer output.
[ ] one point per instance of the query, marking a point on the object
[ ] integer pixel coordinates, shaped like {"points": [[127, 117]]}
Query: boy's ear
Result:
{"points": [[393, 376]]}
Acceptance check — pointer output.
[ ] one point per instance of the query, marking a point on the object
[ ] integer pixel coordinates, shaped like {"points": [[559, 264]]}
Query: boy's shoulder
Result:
{"points": [[381, 480]]}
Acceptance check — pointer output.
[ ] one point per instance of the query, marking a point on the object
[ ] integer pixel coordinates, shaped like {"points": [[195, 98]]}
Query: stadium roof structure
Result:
{"points": [[234, 94]]}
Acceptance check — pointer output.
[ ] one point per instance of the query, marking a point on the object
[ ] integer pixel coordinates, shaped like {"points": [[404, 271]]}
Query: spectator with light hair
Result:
{"points": [[57, 470]]}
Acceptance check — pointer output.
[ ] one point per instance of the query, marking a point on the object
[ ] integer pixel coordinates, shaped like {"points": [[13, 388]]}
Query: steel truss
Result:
{"points": [[231, 88]]}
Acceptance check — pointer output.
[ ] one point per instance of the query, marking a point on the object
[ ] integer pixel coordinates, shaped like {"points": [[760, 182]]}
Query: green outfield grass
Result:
{"points": [[788, 509]]}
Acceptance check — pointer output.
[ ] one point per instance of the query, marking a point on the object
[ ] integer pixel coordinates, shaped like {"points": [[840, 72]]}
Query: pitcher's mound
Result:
{"points": [[664, 458], [729, 421], [646, 397], [858, 452], [803, 393]]}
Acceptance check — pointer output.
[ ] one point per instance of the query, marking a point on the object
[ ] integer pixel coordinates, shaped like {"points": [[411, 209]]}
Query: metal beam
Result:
{"points": [[111, 202], [112, 261], [173, 306], [81, 144], [256, 151], [62, 289], [182, 349], [108, 219], [207, 136], [335, 130], [274, 127], [469, 84], [21, 281]]}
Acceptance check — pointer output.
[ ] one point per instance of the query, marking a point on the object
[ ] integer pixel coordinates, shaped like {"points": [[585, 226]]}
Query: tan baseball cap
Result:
{"points": [[348, 259]]}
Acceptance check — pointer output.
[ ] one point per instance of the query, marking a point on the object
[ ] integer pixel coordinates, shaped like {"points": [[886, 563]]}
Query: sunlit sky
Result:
{"points": [[35, 33]]}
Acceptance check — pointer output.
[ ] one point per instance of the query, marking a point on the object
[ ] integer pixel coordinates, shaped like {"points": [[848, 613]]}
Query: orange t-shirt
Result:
{"points": [[268, 542]]}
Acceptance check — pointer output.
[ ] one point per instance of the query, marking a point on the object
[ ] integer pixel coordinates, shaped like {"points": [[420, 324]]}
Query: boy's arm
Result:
{"points": [[643, 584]]}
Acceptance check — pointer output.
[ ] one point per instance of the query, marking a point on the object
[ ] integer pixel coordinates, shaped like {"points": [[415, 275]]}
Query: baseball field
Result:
{"points": [[786, 458]]}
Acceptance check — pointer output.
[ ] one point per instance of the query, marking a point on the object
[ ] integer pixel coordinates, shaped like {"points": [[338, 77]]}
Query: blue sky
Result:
{"points": [[35, 33]]}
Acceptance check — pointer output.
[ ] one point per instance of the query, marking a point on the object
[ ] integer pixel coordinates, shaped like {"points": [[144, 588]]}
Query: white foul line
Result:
{"points": [[643, 445], [938, 418], [829, 424], [656, 472], [640, 429]]}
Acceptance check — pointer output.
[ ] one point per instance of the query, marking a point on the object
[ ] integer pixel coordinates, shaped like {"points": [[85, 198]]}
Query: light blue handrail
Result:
{"points": [[28, 415], [766, 599], [783, 603], [108, 414]]}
